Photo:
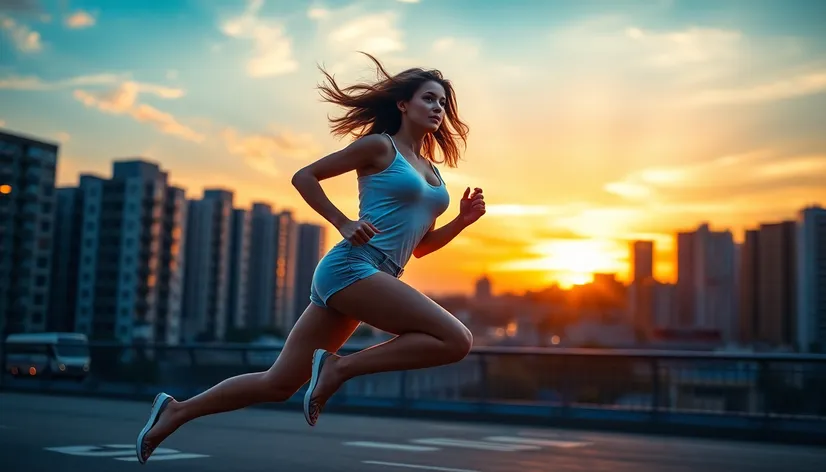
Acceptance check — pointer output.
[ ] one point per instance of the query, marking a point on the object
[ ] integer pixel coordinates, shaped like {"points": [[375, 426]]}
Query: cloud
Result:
{"points": [[24, 38], [36, 83], [465, 48], [781, 89], [343, 32], [79, 20], [737, 188], [317, 13], [755, 171], [124, 97], [375, 33], [263, 152], [123, 100], [688, 47], [272, 52], [408, 1]]}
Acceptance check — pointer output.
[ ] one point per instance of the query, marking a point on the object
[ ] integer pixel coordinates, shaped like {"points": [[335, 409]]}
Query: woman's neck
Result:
{"points": [[410, 139]]}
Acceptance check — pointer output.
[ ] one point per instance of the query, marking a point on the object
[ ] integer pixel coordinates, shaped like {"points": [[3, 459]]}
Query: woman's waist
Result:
{"points": [[381, 256]]}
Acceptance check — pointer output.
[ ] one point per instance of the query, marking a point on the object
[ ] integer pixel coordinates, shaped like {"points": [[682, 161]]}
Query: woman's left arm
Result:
{"points": [[471, 208]]}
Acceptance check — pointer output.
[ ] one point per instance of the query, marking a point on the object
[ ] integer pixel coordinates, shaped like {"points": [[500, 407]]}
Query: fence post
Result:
{"points": [[655, 386], [403, 390], [484, 390]]}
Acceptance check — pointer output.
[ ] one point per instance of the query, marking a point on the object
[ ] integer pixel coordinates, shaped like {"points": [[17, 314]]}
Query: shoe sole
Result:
{"points": [[157, 405], [318, 357]]}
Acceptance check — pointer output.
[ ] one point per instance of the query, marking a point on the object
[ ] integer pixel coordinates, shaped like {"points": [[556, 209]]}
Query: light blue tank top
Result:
{"points": [[402, 204]]}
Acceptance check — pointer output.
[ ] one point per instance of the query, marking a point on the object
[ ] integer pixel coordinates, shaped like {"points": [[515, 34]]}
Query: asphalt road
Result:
{"points": [[44, 433]]}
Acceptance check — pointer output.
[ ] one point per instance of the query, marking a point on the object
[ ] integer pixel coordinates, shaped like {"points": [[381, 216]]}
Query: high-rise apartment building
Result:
{"points": [[27, 176], [129, 231], [768, 286], [285, 260], [239, 269], [811, 276], [68, 217], [206, 289], [643, 260], [642, 289], [169, 324], [310, 250], [705, 293], [261, 278]]}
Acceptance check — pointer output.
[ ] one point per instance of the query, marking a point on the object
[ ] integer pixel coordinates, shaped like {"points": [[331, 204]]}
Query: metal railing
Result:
{"points": [[763, 394]]}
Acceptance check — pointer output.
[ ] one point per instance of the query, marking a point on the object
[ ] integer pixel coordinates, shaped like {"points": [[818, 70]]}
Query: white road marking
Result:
{"points": [[123, 452], [537, 442], [415, 466], [164, 457], [93, 451], [485, 446], [399, 447]]}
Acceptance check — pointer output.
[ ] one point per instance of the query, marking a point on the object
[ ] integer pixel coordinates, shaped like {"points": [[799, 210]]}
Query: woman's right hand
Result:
{"points": [[358, 232]]}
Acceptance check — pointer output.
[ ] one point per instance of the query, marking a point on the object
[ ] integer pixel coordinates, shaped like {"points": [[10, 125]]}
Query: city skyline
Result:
{"points": [[591, 126], [131, 257]]}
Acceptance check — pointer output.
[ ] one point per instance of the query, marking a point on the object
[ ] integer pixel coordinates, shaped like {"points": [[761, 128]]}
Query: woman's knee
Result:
{"points": [[459, 343]]}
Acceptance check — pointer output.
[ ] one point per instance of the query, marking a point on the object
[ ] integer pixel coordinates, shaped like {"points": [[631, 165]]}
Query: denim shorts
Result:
{"points": [[345, 264]]}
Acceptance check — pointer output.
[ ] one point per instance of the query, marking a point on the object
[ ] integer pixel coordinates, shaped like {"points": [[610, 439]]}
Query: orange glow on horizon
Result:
{"points": [[570, 262]]}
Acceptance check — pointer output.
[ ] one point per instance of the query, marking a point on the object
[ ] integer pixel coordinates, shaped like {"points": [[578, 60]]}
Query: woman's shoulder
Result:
{"points": [[374, 143]]}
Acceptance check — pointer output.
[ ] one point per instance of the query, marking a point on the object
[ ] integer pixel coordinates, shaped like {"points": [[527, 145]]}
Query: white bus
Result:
{"points": [[48, 354]]}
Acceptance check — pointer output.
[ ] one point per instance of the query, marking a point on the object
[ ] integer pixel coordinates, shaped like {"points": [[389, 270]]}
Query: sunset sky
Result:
{"points": [[593, 123]]}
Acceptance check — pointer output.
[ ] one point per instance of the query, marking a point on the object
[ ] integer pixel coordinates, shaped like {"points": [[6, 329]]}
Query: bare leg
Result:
{"points": [[317, 328], [428, 335]]}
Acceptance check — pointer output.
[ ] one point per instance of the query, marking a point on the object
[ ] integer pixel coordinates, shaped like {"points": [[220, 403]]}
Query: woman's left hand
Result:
{"points": [[472, 206]]}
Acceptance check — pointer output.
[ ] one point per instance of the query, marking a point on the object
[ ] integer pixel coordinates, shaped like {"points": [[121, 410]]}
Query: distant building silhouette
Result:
{"points": [[811, 267], [768, 294], [65, 263], [285, 266], [483, 288], [643, 260], [27, 206], [706, 297], [125, 233], [171, 282], [239, 260], [206, 290], [270, 277], [642, 292], [311, 240]]}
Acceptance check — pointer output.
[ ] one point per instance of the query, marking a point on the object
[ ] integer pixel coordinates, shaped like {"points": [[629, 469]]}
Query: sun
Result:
{"points": [[567, 280], [570, 262]]}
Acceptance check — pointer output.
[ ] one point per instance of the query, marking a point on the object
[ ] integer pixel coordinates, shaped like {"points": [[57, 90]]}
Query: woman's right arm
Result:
{"points": [[363, 153]]}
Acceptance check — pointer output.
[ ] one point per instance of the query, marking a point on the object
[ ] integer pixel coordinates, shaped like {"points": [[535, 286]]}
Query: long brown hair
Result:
{"points": [[371, 108]]}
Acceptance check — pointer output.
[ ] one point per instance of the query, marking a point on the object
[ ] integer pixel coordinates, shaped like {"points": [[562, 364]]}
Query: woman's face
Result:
{"points": [[427, 107]]}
